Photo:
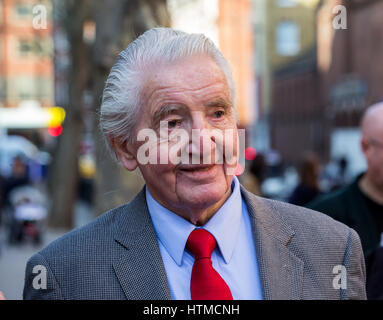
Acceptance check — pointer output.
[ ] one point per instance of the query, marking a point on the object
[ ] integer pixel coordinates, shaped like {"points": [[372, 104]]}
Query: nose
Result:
{"points": [[201, 142]]}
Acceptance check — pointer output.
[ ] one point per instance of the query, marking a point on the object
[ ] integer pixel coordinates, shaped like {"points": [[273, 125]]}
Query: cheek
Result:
{"points": [[379, 162], [169, 153], [232, 142], [375, 157], [159, 177], [157, 171], [375, 165]]}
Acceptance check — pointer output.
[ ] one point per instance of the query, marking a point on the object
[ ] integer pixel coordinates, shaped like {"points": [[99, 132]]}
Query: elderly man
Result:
{"points": [[193, 232], [360, 204]]}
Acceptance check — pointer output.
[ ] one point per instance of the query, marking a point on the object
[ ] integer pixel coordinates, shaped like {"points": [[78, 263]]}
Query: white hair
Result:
{"points": [[120, 107]]}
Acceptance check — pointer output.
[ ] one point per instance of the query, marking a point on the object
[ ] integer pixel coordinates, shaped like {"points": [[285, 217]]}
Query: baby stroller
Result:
{"points": [[28, 213]]}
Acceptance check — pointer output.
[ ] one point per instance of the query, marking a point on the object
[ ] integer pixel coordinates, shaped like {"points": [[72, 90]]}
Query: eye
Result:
{"points": [[219, 114], [174, 123]]}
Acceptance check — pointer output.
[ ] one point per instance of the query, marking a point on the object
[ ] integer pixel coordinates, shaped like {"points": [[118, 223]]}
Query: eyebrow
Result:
{"points": [[166, 110], [219, 102]]}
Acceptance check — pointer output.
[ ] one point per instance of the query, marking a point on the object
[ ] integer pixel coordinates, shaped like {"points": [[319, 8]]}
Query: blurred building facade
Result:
{"points": [[228, 23], [316, 78], [26, 53], [350, 71], [236, 43], [297, 118], [284, 33], [349, 60]]}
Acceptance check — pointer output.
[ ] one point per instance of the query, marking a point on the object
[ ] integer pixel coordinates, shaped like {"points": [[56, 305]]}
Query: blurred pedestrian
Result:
{"points": [[360, 204], [308, 187], [19, 177], [2, 196], [339, 180], [343, 164], [254, 175]]}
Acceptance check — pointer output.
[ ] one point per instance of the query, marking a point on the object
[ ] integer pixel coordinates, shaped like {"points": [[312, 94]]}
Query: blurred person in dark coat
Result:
{"points": [[360, 204], [308, 187], [374, 270]]}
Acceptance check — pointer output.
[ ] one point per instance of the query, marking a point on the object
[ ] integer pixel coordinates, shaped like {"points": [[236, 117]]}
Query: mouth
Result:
{"points": [[196, 168], [197, 171]]}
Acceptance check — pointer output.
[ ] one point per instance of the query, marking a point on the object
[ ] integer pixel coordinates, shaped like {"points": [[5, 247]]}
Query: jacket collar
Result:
{"points": [[281, 271], [139, 267]]}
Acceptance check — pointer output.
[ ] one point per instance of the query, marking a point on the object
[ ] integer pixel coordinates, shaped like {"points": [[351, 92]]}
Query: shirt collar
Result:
{"points": [[173, 230], [225, 223]]}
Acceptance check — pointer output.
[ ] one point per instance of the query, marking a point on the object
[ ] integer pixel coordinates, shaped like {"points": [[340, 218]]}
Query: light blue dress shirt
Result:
{"points": [[234, 258]]}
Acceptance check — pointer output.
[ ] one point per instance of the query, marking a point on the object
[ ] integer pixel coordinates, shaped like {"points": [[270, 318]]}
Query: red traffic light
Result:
{"points": [[55, 131]]}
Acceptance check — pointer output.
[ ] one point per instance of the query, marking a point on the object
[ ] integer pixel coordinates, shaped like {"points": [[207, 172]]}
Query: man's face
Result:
{"points": [[373, 150], [190, 95]]}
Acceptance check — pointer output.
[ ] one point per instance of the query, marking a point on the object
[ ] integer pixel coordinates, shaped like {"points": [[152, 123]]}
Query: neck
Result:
{"points": [[370, 189], [199, 217]]}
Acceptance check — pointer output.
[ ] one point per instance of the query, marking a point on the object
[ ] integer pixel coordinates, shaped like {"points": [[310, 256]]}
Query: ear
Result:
{"points": [[125, 152]]}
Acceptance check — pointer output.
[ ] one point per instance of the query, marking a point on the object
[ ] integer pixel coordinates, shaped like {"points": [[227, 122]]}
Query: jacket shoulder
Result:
{"points": [[310, 228], [306, 219], [81, 239]]}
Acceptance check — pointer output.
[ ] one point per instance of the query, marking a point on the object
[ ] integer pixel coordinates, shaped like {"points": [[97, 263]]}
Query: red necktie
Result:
{"points": [[206, 283]]}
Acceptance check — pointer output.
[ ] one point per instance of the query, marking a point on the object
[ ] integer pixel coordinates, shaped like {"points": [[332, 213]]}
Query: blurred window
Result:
{"points": [[25, 87], [287, 38], [45, 46], [287, 3], [38, 47], [33, 87], [23, 10], [3, 92], [44, 88], [25, 47]]}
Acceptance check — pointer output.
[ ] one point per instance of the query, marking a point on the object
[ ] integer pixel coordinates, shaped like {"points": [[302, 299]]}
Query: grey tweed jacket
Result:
{"points": [[117, 256]]}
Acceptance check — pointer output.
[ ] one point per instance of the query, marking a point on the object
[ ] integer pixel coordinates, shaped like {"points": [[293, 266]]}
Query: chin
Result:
{"points": [[203, 196]]}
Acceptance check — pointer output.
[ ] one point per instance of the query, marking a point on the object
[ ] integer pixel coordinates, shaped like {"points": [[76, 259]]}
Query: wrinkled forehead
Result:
{"points": [[196, 78]]}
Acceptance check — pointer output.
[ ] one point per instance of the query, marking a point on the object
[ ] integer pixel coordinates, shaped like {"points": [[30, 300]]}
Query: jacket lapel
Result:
{"points": [[139, 268], [281, 271]]}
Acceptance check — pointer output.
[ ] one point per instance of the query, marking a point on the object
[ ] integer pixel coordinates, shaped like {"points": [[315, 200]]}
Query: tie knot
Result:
{"points": [[201, 243]]}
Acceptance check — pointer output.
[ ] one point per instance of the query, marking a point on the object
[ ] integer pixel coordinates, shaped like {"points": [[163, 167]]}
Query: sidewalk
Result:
{"points": [[13, 258]]}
